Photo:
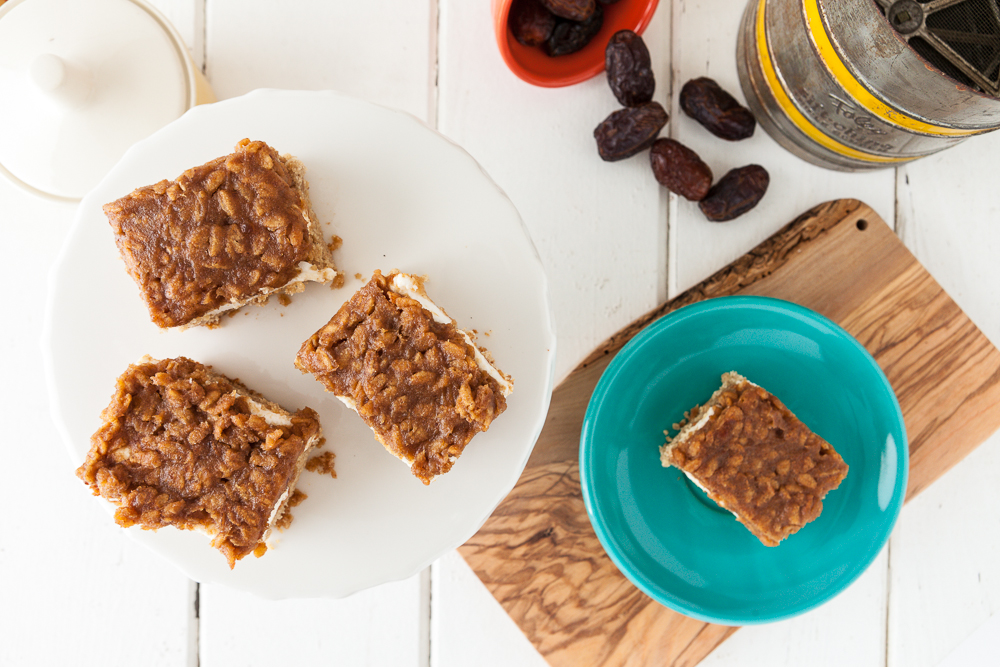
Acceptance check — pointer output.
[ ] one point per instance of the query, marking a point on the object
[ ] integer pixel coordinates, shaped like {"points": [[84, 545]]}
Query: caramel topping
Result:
{"points": [[413, 380], [756, 459], [180, 446], [221, 233]]}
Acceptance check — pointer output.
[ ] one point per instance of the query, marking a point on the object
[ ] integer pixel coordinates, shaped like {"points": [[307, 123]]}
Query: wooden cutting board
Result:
{"points": [[538, 554]]}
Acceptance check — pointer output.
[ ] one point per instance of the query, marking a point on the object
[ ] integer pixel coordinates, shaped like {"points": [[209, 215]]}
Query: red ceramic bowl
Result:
{"points": [[531, 64]]}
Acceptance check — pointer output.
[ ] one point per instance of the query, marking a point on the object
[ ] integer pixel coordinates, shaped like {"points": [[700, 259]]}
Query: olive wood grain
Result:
{"points": [[538, 553]]}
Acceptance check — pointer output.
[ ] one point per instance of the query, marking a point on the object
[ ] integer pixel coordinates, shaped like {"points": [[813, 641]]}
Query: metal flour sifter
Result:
{"points": [[865, 84]]}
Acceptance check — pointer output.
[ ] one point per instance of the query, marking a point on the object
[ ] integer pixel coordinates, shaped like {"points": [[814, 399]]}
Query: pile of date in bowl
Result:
{"points": [[560, 27], [635, 128]]}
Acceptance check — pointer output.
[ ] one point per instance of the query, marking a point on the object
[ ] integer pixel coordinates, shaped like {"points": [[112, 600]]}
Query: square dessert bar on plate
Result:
{"points": [[181, 445], [227, 233], [756, 459], [415, 378]]}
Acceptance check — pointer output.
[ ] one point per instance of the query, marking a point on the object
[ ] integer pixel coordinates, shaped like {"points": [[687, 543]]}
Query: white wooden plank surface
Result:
{"points": [[601, 230], [378, 627], [979, 649], [848, 630], [945, 573], [378, 51], [68, 574], [704, 44]]}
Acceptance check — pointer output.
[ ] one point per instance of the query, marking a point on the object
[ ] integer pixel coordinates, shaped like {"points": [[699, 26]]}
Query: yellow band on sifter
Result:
{"points": [[792, 111], [859, 91]]}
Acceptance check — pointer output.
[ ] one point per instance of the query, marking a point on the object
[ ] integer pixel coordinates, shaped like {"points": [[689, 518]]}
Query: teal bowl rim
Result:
{"points": [[600, 392]]}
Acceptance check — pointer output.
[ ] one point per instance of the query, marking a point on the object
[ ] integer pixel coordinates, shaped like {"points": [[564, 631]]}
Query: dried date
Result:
{"points": [[680, 170], [574, 10], [571, 36], [705, 101], [630, 130], [630, 71], [530, 22], [736, 193]]}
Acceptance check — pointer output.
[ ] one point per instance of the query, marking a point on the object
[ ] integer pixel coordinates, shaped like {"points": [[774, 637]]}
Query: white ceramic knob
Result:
{"points": [[62, 82]]}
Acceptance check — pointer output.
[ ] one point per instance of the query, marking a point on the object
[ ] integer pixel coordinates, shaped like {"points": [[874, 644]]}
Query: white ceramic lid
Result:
{"points": [[80, 83]]}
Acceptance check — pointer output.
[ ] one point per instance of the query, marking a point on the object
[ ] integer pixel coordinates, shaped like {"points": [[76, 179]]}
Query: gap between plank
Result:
{"points": [[672, 106], [900, 182], [667, 207], [896, 226], [433, 64], [200, 35], [194, 624], [888, 592], [904, 204], [426, 605], [201, 62], [424, 622]]}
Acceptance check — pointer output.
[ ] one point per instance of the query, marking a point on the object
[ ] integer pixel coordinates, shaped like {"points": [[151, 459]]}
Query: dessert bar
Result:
{"points": [[181, 445], [415, 378], [755, 458], [227, 233]]}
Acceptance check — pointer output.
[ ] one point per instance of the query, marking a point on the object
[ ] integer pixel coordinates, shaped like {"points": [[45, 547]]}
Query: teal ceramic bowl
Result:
{"points": [[674, 543]]}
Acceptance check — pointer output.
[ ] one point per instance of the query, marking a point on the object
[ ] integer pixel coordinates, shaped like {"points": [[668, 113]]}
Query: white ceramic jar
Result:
{"points": [[80, 82]]}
